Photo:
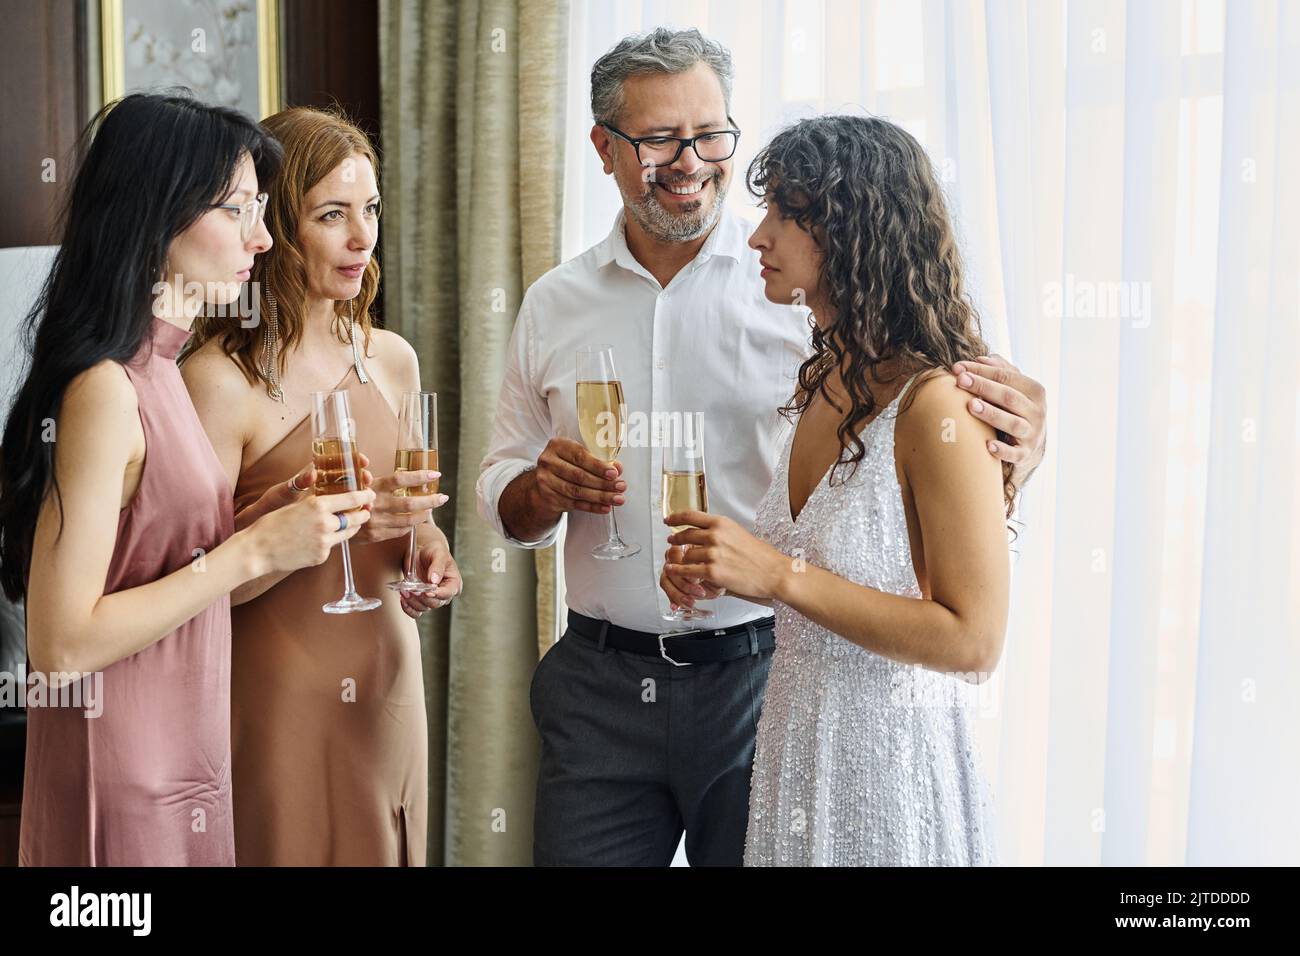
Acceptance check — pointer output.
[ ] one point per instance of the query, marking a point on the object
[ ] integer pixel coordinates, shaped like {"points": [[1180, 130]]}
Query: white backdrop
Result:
{"points": [[1119, 174]]}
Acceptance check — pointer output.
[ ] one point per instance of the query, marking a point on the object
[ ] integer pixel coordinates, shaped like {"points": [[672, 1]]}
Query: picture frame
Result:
{"points": [[226, 51]]}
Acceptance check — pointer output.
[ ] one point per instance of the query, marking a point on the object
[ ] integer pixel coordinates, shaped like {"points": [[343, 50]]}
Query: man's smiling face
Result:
{"points": [[680, 202]]}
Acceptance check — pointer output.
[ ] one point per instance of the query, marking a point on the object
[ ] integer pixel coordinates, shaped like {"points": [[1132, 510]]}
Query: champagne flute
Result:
{"points": [[338, 470], [417, 450], [684, 488], [601, 411]]}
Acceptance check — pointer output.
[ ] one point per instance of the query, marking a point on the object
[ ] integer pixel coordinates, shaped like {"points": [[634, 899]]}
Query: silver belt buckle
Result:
{"points": [[664, 653]]}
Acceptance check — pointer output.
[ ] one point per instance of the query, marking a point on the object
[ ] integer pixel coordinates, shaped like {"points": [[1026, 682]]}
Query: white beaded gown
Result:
{"points": [[860, 760]]}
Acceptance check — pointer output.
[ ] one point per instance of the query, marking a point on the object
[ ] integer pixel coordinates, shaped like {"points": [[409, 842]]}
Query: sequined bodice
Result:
{"points": [[859, 759], [856, 527]]}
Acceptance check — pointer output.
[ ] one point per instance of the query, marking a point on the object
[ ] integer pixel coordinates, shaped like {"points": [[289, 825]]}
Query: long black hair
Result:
{"points": [[152, 164]]}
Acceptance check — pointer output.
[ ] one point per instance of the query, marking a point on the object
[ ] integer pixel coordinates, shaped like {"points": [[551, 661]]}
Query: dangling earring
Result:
{"points": [[356, 352], [271, 349]]}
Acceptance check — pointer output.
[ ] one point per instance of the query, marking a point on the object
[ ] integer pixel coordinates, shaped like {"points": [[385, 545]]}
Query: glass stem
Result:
{"points": [[613, 525], [349, 589], [410, 558]]}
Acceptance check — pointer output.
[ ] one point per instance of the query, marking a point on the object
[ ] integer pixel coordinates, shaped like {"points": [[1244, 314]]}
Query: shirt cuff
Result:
{"points": [[491, 483]]}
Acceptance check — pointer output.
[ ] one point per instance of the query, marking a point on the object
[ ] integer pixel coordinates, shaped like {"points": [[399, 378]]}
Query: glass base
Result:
{"points": [[688, 614], [349, 603], [412, 587], [613, 550]]}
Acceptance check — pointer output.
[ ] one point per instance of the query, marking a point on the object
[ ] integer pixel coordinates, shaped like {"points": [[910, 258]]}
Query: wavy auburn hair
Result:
{"points": [[864, 189], [315, 142]]}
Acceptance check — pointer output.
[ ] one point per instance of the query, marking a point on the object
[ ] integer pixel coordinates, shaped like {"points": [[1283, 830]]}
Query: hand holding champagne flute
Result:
{"points": [[338, 469], [601, 413], [684, 487], [417, 450]]}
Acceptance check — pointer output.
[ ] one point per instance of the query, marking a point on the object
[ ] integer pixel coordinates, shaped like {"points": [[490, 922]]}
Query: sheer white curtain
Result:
{"points": [[1123, 177]]}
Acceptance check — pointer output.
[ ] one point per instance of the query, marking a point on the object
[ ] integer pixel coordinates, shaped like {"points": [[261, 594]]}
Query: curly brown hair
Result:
{"points": [[891, 271]]}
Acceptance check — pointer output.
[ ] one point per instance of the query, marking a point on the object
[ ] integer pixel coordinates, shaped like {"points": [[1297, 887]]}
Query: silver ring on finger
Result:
{"points": [[343, 521]]}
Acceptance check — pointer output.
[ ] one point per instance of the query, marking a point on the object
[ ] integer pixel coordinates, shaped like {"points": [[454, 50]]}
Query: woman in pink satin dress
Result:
{"points": [[120, 534]]}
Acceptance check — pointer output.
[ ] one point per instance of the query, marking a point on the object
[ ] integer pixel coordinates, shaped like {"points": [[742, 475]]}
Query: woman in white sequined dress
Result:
{"points": [[882, 541]]}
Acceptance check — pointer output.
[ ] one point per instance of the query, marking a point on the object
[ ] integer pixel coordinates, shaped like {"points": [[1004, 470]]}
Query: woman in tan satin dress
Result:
{"points": [[328, 729]]}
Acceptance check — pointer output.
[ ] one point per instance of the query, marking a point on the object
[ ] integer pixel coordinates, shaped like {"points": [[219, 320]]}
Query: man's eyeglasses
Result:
{"points": [[651, 151], [250, 214]]}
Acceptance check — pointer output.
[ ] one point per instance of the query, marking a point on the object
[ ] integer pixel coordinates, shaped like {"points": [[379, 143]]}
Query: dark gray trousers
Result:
{"points": [[635, 749]]}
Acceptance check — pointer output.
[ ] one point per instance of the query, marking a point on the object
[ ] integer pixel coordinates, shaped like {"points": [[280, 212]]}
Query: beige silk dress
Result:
{"points": [[328, 729]]}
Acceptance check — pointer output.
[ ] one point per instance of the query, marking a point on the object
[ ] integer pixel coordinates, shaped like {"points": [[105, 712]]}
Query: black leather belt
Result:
{"points": [[689, 647]]}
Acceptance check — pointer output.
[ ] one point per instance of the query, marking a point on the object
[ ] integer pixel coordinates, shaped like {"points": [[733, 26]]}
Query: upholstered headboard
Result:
{"points": [[22, 271]]}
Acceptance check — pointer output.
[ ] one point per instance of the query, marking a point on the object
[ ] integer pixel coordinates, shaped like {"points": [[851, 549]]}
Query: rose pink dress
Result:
{"points": [[147, 783]]}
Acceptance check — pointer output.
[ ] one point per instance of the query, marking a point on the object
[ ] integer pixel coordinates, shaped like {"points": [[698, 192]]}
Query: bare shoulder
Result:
{"points": [[388, 346], [101, 390], [222, 396], [100, 404], [209, 367], [395, 354], [937, 412]]}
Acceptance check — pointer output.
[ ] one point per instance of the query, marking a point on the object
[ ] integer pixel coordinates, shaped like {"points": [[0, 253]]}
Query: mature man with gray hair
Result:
{"points": [[648, 730]]}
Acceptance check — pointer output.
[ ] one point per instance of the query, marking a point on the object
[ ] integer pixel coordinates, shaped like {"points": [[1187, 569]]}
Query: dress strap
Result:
{"points": [[908, 384]]}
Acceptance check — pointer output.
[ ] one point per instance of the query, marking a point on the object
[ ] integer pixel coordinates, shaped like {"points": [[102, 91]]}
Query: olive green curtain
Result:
{"points": [[472, 141]]}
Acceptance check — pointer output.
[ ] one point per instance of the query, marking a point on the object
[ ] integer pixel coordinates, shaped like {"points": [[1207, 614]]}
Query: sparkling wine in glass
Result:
{"points": [[417, 450], [684, 488], [338, 470], [601, 413]]}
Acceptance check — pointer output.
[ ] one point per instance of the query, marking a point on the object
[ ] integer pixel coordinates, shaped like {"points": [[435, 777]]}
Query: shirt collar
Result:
{"points": [[728, 238]]}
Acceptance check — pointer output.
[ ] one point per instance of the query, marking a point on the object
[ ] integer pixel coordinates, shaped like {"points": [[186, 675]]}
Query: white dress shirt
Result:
{"points": [[709, 342]]}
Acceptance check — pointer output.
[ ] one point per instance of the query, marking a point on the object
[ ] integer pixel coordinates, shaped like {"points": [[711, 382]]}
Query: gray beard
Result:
{"points": [[665, 226]]}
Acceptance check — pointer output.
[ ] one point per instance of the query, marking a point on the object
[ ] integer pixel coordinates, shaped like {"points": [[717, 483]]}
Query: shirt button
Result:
{"points": [[660, 363]]}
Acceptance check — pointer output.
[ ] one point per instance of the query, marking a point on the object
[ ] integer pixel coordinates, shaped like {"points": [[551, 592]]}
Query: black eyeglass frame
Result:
{"points": [[682, 143]]}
